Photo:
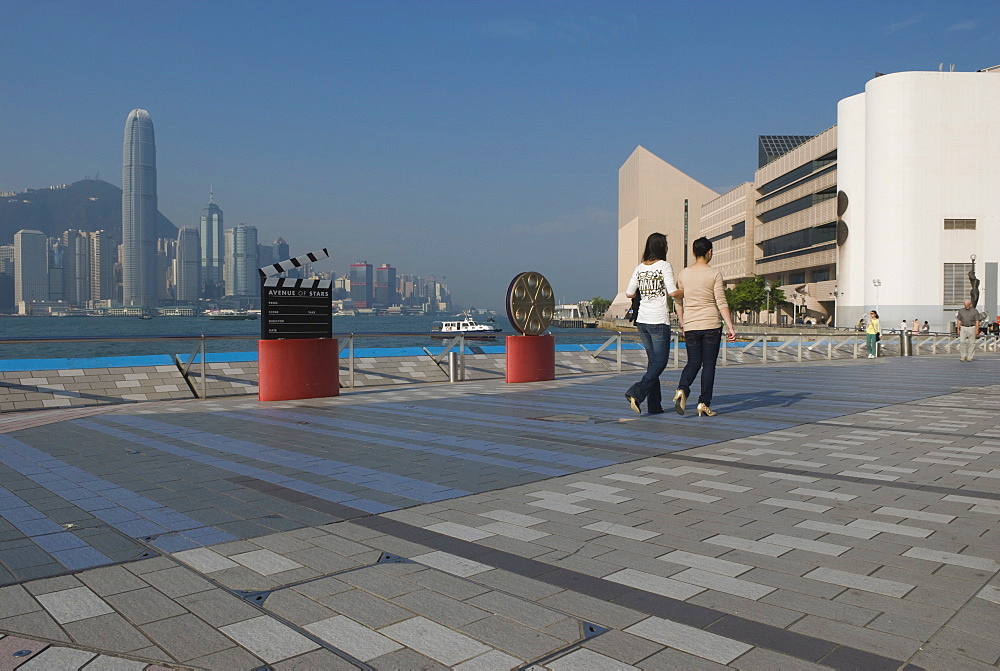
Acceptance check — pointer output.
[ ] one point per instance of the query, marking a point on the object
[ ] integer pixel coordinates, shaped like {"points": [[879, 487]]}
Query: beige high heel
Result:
{"points": [[705, 410], [680, 401]]}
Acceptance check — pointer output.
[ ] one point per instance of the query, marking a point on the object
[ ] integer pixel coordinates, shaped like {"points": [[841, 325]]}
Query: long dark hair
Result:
{"points": [[656, 248], [875, 313]]}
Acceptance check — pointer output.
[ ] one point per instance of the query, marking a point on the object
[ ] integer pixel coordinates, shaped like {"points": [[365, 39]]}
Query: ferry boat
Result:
{"points": [[231, 315], [468, 327]]}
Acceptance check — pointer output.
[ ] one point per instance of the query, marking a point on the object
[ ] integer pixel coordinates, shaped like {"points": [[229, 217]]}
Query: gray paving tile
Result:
{"points": [[353, 638], [269, 639], [435, 641], [365, 608], [688, 639], [186, 637], [74, 604], [109, 632]]}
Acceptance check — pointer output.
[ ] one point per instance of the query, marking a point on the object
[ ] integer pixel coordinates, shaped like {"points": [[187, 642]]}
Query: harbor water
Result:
{"points": [[99, 327]]}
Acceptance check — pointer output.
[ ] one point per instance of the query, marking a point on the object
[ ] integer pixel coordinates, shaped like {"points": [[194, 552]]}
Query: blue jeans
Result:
{"points": [[702, 353], [656, 340]]}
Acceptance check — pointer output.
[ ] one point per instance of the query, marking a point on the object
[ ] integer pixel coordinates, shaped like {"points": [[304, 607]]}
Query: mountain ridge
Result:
{"points": [[86, 205]]}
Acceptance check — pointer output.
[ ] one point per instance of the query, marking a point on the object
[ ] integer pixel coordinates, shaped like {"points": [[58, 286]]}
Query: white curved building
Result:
{"points": [[919, 174]]}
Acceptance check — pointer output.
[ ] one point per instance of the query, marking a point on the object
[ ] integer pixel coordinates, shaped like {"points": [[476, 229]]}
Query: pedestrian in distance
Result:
{"points": [[926, 328], [968, 330], [701, 309], [903, 328], [916, 326], [873, 333], [653, 279]]}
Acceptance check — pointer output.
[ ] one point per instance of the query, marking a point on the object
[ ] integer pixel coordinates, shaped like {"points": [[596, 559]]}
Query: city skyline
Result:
{"points": [[477, 140]]}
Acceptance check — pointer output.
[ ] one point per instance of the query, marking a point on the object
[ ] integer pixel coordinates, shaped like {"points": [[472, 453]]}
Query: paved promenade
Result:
{"points": [[833, 515]]}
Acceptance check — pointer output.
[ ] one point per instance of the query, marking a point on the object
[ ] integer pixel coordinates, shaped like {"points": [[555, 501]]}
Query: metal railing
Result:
{"points": [[454, 349]]}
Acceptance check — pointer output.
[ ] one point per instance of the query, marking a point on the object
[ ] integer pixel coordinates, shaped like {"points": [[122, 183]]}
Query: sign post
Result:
{"points": [[531, 356], [297, 356]]}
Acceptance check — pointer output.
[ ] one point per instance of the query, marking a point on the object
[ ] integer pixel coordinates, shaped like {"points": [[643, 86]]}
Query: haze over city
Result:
{"points": [[470, 140]]}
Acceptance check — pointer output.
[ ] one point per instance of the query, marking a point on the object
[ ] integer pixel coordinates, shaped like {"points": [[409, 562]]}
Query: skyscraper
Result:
{"points": [[241, 262], [187, 265], [213, 249], [361, 284], [385, 286], [31, 267], [139, 211], [103, 255], [76, 268], [279, 252], [280, 248]]}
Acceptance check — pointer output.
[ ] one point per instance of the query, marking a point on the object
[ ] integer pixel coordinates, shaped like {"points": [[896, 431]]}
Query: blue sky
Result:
{"points": [[473, 140]]}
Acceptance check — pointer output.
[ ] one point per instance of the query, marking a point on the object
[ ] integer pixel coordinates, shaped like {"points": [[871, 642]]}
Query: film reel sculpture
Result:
{"points": [[531, 303]]}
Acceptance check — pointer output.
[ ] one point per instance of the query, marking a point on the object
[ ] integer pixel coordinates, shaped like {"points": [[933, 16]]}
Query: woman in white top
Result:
{"points": [[654, 279]]}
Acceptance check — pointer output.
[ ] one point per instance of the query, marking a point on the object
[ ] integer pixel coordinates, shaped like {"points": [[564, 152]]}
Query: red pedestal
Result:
{"points": [[292, 369], [531, 358]]}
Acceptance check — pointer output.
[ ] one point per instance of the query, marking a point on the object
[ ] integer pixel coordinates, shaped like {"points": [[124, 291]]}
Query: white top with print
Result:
{"points": [[654, 282]]}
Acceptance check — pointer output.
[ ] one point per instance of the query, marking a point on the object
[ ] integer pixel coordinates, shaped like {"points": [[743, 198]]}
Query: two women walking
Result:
{"points": [[700, 307]]}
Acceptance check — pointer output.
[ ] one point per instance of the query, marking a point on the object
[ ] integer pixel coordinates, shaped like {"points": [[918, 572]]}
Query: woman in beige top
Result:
{"points": [[700, 311]]}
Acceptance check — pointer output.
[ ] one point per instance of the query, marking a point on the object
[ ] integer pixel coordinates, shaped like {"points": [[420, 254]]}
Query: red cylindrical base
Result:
{"points": [[292, 369], [531, 358]]}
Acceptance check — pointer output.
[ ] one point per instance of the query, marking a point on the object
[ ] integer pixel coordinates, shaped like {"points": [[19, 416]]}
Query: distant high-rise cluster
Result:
{"points": [[136, 269], [368, 288]]}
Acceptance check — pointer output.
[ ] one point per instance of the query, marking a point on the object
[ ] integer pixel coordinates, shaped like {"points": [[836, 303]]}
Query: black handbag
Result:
{"points": [[633, 311]]}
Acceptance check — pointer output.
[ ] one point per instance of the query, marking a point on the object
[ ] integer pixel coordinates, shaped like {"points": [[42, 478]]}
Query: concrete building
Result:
{"points": [[919, 174], [654, 196], [31, 268], [729, 222], [883, 211], [241, 267], [139, 211], [188, 265], [795, 227]]}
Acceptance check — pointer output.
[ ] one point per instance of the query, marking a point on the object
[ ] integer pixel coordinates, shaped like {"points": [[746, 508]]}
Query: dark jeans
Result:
{"points": [[702, 352], [656, 340]]}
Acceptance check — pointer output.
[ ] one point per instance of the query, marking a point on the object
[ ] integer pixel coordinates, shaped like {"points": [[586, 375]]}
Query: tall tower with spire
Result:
{"points": [[139, 211], [213, 248]]}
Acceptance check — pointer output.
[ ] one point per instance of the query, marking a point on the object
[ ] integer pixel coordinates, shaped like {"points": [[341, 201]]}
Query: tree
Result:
{"points": [[600, 305], [750, 296]]}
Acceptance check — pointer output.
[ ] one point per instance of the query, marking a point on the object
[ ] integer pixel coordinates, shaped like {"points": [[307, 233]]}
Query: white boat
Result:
{"points": [[469, 328], [231, 315]]}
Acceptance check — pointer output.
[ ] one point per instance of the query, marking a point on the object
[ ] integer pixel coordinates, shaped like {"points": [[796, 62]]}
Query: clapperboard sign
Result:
{"points": [[295, 308]]}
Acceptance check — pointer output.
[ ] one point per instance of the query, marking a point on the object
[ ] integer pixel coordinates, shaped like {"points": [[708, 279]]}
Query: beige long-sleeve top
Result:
{"points": [[704, 295]]}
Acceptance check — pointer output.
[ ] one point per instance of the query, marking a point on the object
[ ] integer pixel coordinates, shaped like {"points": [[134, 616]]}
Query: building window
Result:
{"points": [[739, 230], [797, 173], [821, 275], [798, 205], [800, 240], [959, 224], [798, 252], [956, 282]]}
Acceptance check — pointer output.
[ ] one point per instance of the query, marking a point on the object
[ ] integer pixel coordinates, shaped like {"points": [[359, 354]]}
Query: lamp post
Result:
{"points": [[876, 283], [767, 288], [802, 309]]}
